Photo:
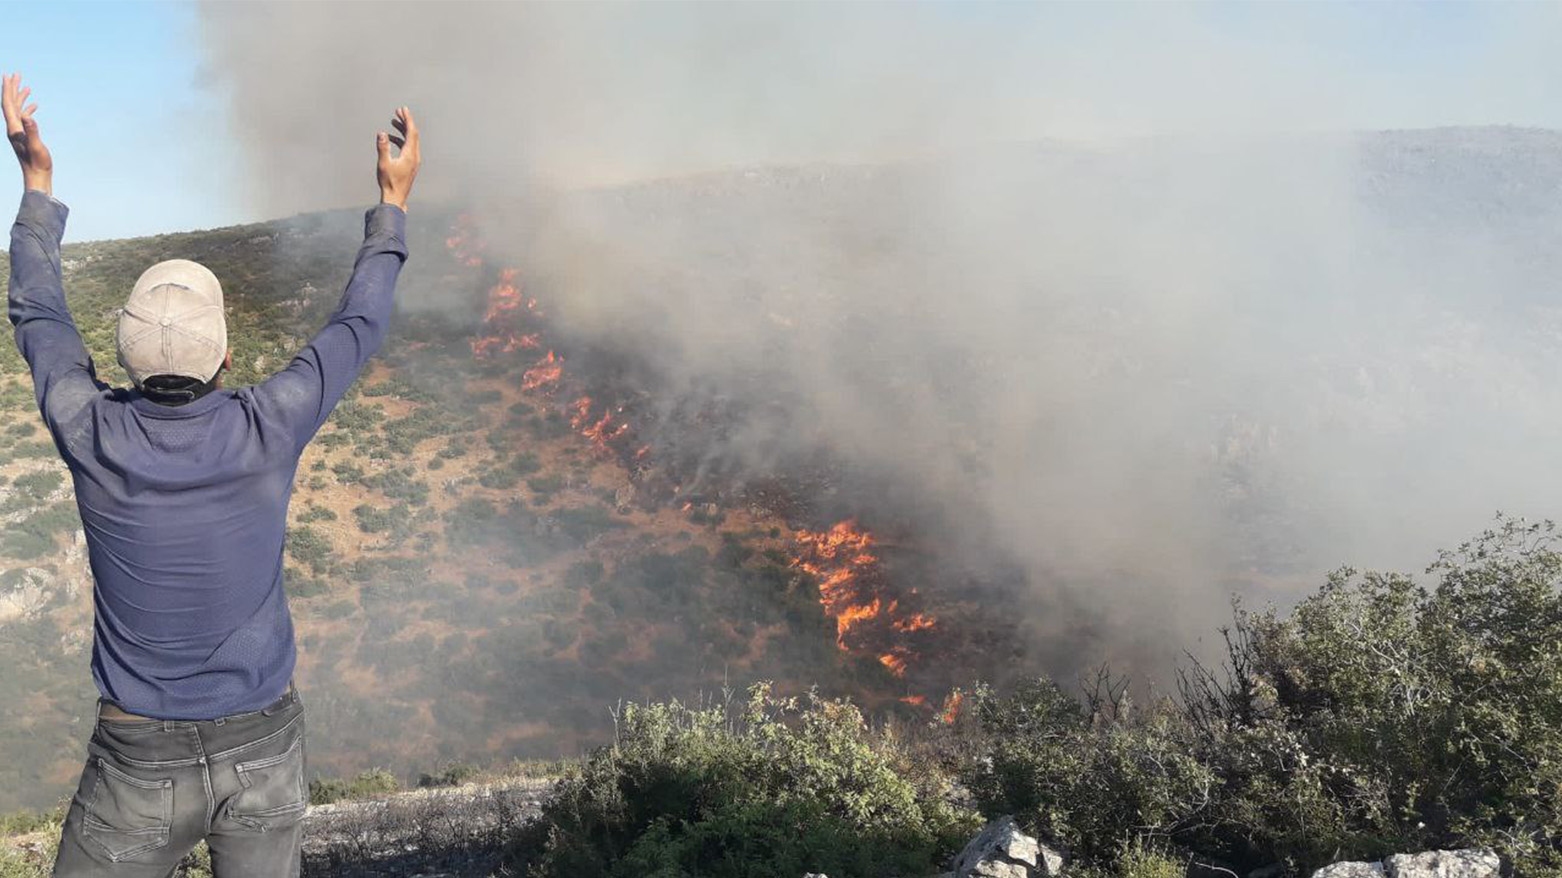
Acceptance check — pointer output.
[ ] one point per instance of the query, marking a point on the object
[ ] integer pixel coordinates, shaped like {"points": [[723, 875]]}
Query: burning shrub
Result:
{"points": [[781, 789]]}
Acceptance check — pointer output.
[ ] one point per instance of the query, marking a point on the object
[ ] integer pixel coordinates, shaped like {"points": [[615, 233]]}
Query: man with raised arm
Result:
{"points": [[183, 489]]}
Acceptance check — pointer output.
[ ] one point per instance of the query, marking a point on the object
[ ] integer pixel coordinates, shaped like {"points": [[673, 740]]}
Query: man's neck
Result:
{"points": [[174, 398]]}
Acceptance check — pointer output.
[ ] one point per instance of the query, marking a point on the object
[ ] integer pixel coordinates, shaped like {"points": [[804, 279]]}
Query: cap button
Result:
{"points": [[166, 321]]}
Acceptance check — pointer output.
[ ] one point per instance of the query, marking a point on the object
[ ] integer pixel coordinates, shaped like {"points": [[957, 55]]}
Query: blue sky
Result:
{"points": [[140, 146], [142, 142]]}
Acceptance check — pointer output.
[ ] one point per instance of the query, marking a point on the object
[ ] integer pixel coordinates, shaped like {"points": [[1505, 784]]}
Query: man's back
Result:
{"points": [[185, 509], [183, 490], [184, 506]]}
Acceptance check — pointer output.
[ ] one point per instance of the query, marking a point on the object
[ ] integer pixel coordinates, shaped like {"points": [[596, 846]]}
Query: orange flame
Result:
{"points": [[895, 662], [952, 706], [602, 431], [506, 317], [503, 296], [545, 371], [461, 244], [842, 559]]}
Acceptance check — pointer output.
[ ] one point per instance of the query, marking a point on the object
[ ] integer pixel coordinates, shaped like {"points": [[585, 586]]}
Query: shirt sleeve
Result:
{"points": [[64, 379], [301, 397]]}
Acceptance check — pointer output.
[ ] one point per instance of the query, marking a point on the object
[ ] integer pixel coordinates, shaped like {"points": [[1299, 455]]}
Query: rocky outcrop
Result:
{"points": [[28, 593], [1471, 863], [1001, 850], [1350, 870]]}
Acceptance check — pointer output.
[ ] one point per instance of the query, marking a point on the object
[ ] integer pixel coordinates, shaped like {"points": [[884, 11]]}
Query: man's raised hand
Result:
{"points": [[396, 173], [22, 130]]}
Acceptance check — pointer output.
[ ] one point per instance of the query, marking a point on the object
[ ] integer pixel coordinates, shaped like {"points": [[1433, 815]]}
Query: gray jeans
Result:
{"points": [[152, 789]]}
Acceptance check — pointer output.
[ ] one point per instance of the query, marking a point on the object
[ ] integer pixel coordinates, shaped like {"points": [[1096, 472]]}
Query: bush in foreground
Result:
{"points": [[374, 782], [1379, 716], [778, 789]]}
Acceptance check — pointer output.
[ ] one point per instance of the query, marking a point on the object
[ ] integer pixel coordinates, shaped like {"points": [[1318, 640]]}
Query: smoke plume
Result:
{"points": [[1111, 292]]}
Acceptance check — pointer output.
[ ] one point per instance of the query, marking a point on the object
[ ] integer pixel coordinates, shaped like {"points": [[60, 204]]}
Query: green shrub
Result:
{"points": [[402, 435], [548, 484], [585, 522], [43, 448], [1139, 860], [1086, 776], [299, 586], [38, 483], [374, 782], [338, 609], [453, 776], [457, 447], [313, 513], [308, 546], [399, 484], [1384, 715], [22, 822], [357, 418], [507, 475], [1380, 715], [396, 521], [33, 537], [777, 790]]}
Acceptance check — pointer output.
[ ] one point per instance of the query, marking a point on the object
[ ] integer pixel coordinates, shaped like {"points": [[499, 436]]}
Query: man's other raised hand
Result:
{"points": [[22, 130], [396, 173]]}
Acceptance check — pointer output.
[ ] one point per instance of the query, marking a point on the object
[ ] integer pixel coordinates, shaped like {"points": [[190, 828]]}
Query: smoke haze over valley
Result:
{"points": [[1106, 296]]}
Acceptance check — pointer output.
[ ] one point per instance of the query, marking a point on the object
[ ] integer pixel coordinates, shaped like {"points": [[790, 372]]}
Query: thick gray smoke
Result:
{"points": [[1114, 290]]}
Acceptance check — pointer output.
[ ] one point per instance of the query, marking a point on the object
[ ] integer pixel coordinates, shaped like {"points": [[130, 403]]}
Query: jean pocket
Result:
{"points": [[272, 793], [127, 815]]}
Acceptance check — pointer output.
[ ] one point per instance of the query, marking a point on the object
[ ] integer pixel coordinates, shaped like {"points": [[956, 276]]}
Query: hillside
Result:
{"points": [[513, 523], [467, 570]]}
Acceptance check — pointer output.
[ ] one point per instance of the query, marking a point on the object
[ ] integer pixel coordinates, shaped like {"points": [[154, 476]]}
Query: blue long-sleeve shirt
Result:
{"points": [[185, 507]]}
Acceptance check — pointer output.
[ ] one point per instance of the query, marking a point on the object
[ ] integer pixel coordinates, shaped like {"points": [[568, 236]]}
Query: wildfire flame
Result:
{"points": [[545, 371], [843, 560], [601, 431], [511, 322], [952, 706], [461, 243]]}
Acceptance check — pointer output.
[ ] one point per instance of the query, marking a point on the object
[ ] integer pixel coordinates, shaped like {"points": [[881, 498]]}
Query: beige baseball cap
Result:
{"points": [[173, 323]]}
